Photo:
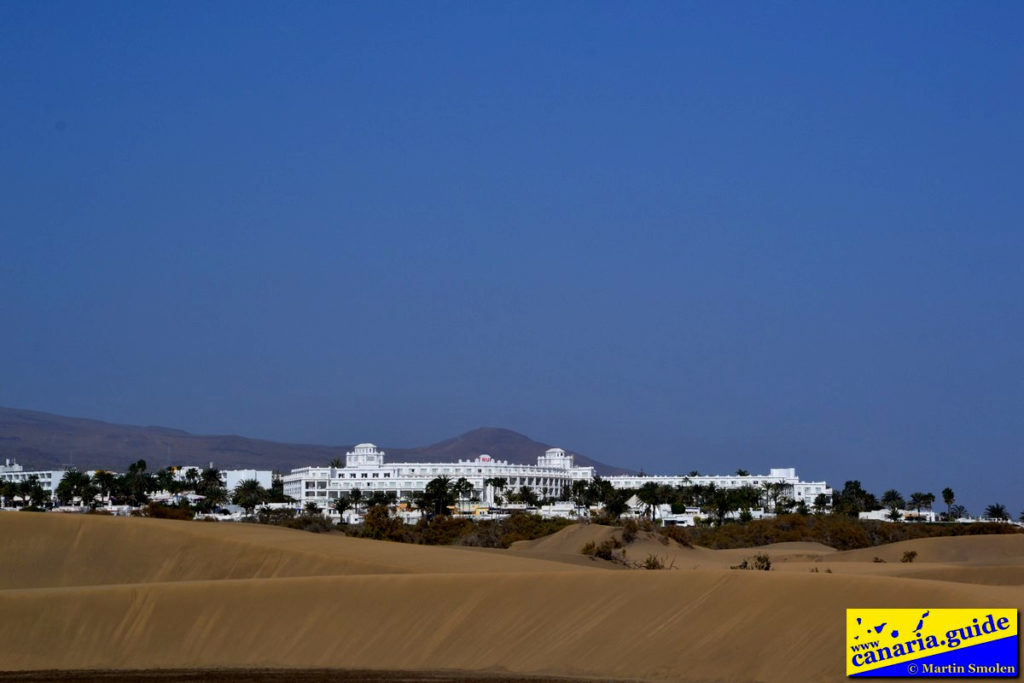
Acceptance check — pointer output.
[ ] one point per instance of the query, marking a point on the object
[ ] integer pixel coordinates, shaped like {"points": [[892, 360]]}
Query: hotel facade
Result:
{"points": [[552, 477]]}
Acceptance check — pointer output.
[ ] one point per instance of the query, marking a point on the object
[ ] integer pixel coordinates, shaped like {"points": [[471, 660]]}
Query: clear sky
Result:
{"points": [[667, 235]]}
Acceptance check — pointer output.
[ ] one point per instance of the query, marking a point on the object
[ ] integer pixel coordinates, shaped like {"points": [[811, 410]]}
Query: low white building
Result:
{"points": [[805, 491], [884, 515], [229, 478], [366, 470]]}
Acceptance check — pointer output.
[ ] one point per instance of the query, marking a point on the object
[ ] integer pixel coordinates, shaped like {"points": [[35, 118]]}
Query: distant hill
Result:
{"points": [[503, 444], [44, 441]]}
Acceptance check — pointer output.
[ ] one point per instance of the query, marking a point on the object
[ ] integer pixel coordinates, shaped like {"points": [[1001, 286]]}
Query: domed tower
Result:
{"points": [[364, 455], [555, 457]]}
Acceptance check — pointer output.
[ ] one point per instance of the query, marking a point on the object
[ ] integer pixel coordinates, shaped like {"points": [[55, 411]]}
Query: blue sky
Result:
{"points": [[668, 235]]}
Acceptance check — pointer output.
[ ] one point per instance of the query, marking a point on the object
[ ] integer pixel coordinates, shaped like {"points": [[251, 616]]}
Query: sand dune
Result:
{"points": [[398, 607], [81, 550], [996, 549]]}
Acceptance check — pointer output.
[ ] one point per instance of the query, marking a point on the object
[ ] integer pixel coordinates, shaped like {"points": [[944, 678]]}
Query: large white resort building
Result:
{"points": [[365, 470], [553, 474]]}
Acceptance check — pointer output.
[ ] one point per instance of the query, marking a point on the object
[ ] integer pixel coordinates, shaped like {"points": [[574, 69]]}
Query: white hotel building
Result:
{"points": [[805, 491], [365, 470], [553, 474]]}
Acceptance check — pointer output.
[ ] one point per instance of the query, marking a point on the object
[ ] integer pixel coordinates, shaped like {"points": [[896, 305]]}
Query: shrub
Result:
{"points": [[760, 563], [909, 556], [379, 525], [653, 562], [161, 511]]}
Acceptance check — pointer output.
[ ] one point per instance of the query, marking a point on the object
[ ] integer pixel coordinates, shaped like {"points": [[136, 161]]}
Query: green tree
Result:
{"points": [[498, 485], [341, 505], [105, 483], [462, 488], [249, 494], [893, 500], [920, 500], [437, 496], [210, 487], [997, 511], [776, 491], [75, 484], [651, 495], [276, 492], [949, 499], [853, 500], [7, 493], [820, 503], [615, 503], [137, 484], [32, 493], [381, 498], [166, 481], [357, 498]]}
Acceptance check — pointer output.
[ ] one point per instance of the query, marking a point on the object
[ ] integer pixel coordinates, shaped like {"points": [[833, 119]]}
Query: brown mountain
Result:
{"points": [[44, 441], [503, 444]]}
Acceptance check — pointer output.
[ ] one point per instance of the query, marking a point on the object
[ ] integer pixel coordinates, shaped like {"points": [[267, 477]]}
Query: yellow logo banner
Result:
{"points": [[936, 642]]}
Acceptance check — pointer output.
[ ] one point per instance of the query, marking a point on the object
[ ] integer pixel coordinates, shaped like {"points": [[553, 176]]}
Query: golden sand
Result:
{"points": [[85, 592]]}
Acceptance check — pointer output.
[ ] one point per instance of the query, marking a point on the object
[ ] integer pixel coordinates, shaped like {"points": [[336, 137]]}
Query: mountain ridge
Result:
{"points": [[40, 440]]}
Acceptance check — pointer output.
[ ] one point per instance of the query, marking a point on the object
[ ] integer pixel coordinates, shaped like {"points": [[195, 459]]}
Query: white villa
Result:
{"points": [[554, 473]]}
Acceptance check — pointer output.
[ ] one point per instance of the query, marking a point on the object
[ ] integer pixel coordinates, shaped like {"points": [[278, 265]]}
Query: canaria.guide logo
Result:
{"points": [[931, 642]]}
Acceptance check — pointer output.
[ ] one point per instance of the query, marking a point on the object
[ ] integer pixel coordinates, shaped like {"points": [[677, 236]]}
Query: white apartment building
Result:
{"points": [[805, 491], [48, 479], [229, 478], [366, 470]]}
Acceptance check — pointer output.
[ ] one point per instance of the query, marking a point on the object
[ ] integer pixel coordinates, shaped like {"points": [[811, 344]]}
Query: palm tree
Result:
{"points": [[165, 480], [7, 492], [438, 495], [650, 495], [820, 503], [497, 485], [357, 497], [462, 488], [615, 503], [719, 502], [919, 500], [342, 504], [210, 487], [249, 494], [105, 482], [893, 500], [336, 462], [75, 484], [948, 498], [773, 492], [138, 483], [997, 511]]}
